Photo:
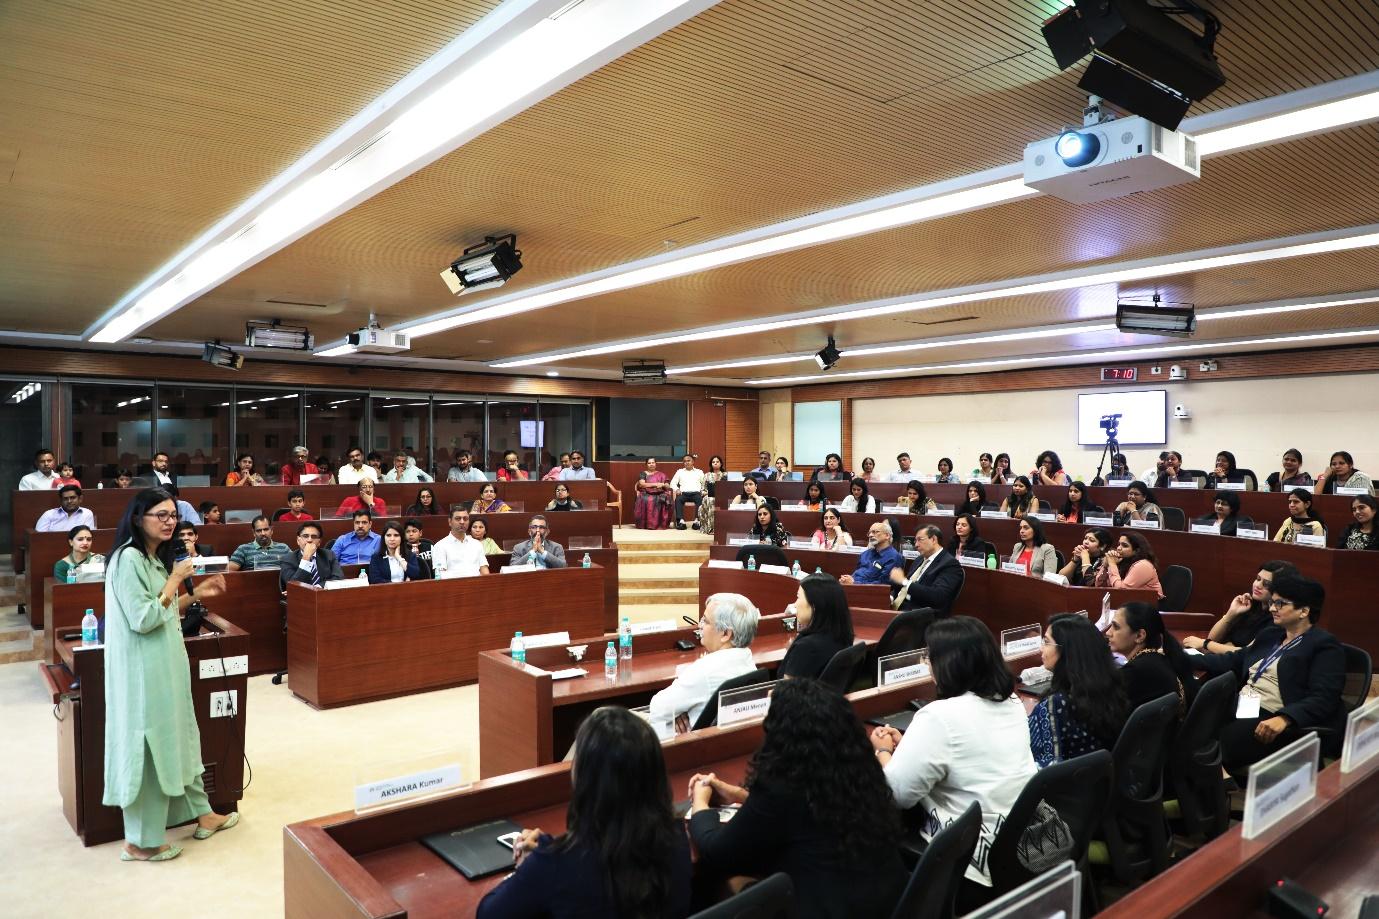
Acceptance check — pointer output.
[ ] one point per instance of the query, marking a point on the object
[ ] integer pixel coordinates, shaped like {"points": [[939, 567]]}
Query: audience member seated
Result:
{"points": [[210, 513], [1172, 470], [1087, 559], [513, 471], [79, 539], [868, 473], [708, 507], [562, 500], [726, 630], [1034, 551], [1077, 505], [1225, 514], [782, 468], [426, 504], [406, 470], [767, 529], [876, 561], [1225, 470], [464, 469], [904, 471], [391, 564], [67, 514], [967, 539], [1292, 475], [832, 532], [1087, 706], [162, 470], [860, 501], [623, 852], [44, 475], [1342, 474], [945, 475], [363, 501], [1021, 500], [1002, 473], [816, 806], [1138, 505], [1362, 534], [655, 505], [1155, 664], [185, 544], [418, 545], [261, 551], [375, 460], [459, 555], [831, 471], [1247, 615], [292, 472], [1130, 564], [824, 621], [763, 472], [976, 498], [749, 496], [244, 473], [355, 469], [1291, 677], [1300, 519], [538, 548], [986, 469], [124, 478], [488, 501], [916, 499], [814, 497], [185, 512], [326, 475], [478, 530], [934, 579], [358, 546], [576, 470], [688, 485], [969, 744], [296, 508], [558, 467], [1048, 470], [312, 563]]}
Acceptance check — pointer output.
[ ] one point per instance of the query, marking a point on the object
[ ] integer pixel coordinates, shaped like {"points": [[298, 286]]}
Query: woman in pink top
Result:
{"points": [[1130, 564]]}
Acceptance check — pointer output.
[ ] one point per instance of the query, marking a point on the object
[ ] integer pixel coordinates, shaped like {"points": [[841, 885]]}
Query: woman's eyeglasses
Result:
{"points": [[162, 516]]}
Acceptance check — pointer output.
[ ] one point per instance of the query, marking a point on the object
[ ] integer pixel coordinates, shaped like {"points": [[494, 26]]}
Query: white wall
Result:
{"points": [[1255, 419]]}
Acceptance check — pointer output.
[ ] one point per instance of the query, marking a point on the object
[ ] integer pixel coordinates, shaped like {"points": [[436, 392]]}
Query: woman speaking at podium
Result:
{"points": [[152, 744]]}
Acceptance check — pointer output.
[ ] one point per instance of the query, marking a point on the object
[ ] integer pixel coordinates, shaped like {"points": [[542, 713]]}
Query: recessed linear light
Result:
{"points": [[1117, 273], [520, 53], [1165, 351]]}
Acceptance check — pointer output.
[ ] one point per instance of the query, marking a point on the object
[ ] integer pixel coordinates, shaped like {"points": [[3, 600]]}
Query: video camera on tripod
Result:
{"points": [[1110, 424]]}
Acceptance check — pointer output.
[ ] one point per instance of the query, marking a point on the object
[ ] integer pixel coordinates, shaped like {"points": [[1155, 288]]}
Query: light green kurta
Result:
{"points": [[148, 690]]}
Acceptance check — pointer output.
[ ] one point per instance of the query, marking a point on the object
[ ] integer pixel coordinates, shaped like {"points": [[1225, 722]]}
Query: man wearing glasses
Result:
{"points": [[312, 563], [262, 551], [538, 549]]}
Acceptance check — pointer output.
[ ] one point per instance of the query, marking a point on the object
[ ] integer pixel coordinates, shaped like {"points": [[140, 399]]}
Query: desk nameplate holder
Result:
{"points": [[1361, 737], [1229, 486], [746, 704], [1310, 540], [1210, 529], [1094, 520], [1280, 784], [1021, 640], [383, 785], [1251, 533], [1055, 894], [905, 667]]}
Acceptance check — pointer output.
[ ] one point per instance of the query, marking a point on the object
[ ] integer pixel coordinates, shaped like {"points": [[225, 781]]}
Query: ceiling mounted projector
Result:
{"points": [[829, 356], [1153, 318], [643, 373], [488, 264], [373, 339], [1110, 160]]}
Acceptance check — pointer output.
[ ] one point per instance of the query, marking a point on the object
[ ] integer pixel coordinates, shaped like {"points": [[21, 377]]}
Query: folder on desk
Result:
{"points": [[474, 851]]}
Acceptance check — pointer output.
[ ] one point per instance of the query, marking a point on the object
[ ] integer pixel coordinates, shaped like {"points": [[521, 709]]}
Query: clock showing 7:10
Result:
{"points": [[1119, 374]]}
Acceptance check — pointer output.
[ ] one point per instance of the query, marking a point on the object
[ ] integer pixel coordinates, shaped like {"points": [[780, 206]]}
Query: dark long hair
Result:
{"points": [[996, 468], [832, 617], [1087, 677], [1143, 550], [1055, 464], [1037, 527], [842, 524], [1016, 505], [814, 746], [757, 528], [974, 535], [1229, 457], [1305, 496], [382, 549], [965, 659], [130, 530], [420, 510], [823, 497], [864, 502], [1084, 504], [921, 496], [1330, 487], [966, 506], [620, 810], [1139, 615]]}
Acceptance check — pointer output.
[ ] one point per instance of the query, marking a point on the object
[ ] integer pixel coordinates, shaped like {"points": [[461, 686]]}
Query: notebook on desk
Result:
{"points": [[475, 851]]}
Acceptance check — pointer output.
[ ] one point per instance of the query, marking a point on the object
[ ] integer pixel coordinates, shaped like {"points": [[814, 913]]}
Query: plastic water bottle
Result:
{"points": [[518, 649], [818, 569], [364, 575], [625, 639], [72, 575], [795, 569], [90, 630], [610, 663], [751, 563], [991, 562], [586, 561]]}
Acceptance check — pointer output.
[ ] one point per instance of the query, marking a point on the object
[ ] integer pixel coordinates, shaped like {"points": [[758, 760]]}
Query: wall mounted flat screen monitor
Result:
{"points": [[1143, 417], [533, 434]]}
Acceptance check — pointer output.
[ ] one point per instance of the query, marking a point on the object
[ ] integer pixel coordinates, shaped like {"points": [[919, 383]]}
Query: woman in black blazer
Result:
{"points": [[825, 624], [392, 563], [1294, 670], [967, 538]]}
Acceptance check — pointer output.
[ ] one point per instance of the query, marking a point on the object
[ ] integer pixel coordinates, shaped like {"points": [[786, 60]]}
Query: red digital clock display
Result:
{"points": [[1119, 374]]}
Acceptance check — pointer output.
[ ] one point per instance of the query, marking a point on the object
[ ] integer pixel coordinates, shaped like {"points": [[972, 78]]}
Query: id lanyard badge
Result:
{"points": [[1247, 703]]}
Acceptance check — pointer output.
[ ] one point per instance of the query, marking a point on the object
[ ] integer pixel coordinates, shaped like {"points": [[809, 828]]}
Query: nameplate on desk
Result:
{"points": [[911, 553], [546, 639], [1351, 490], [1181, 483], [855, 550], [345, 584], [1044, 516], [1248, 533], [1310, 539], [981, 479], [1144, 524], [1013, 568], [774, 569], [1230, 486], [739, 541], [904, 674], [894, 509], [745, 704], [1020, 646], [724, 563], [993, 515], [802, 544], [1118, 480], [1361, 736], [1280, 784], [972, 561], [1211, 529], [656, 625], [569, 673], [948, 512], [405, 787], [1053, 577], [924, 479], [518, 569], [1095, 521], [741, 507]]}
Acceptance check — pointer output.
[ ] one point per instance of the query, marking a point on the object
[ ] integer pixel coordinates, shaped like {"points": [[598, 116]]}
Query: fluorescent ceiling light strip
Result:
{"points": [[336, 350], [1120, 354], [1328, 116], [522, 59]]}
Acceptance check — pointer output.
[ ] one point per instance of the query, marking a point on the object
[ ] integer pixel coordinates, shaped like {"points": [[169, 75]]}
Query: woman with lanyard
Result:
{"points": [[1291, 679], [832, 533]]}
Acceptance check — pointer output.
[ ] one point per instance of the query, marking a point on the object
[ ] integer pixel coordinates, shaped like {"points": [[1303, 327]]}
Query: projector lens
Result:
{"points": [[1075, 148]]}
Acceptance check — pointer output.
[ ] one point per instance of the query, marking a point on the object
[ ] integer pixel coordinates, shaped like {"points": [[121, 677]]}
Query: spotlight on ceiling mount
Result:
{"points": [[828, 356], [488, 264], [217, 355], [1153, 318], [258, 334]]}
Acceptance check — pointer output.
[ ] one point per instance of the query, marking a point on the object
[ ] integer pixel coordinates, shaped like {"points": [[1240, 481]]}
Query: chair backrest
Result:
{"points": [[278, 514], [933, 886], [1140, 750], [709, 716], [840, 671], [1174, 518], [962, 582], [1359, 671], [773, 502], [905, 632], [1197, 475], [1250, 479], [766, 555], [1060, 558], [1210, 711], [770, 898], [1079, 789], [1194, 763], [1176, 580]]}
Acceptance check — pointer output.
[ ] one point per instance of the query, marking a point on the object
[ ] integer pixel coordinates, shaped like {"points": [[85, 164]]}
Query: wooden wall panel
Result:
{"points": [[744, 435]]}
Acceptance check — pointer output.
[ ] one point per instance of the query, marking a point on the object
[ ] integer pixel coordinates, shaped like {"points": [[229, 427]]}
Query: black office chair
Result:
{"points": [[1197, 475], [1174, 518], [1194, 763], [279, 513], [842, 669], [933, 887], [709, 716], [770, 898], [1134, 828], [905, 632], [1250, 479], [1060, 558], [1359, 672], [765, 555], [1176, 580], [773, 502]]}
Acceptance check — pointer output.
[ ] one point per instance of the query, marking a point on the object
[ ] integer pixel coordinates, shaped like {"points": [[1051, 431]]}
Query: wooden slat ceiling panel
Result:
{"points": [[135, 125]]}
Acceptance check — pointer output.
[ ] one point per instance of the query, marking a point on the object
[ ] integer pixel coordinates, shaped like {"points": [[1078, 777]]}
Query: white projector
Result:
{"points": [[1111, 160], [378, 341]]}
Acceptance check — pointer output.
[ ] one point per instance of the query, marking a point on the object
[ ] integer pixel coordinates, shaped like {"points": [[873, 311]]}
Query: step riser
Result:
{"points": [[664, 558], [658, 584]]}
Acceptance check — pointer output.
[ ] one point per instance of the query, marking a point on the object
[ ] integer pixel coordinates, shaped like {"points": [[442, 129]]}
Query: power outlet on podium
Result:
{"points": [[225, 704], [224, 666]]}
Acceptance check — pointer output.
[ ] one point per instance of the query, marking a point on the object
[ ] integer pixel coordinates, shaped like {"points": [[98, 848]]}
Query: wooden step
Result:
{"points": [[21, 644], [662, 558], [644, 596]]}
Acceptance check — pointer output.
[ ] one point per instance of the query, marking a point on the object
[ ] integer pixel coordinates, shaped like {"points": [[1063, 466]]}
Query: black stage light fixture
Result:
{"points": [[828, 356], [217, 355], [1153, 318], [489, 264]]}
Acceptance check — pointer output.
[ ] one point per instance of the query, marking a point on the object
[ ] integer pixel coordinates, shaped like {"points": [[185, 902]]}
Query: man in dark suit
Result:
{"points": [[162, 469], [539, 549], [933, 581], [312, 563]]}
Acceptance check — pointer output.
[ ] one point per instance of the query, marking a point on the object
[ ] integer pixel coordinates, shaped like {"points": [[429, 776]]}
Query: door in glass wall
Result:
{"points": [[513, 426], [402, 422], [268, 424], [24, 414], [334, 423], [194, 430], [565, 426], [112, 430], [459, 425]]}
